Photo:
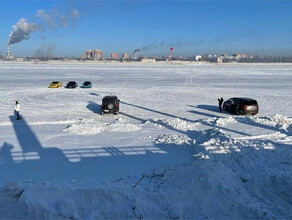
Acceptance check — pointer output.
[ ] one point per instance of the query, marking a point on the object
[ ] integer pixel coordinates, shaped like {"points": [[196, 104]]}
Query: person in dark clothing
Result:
{"points": [[220, 101]]}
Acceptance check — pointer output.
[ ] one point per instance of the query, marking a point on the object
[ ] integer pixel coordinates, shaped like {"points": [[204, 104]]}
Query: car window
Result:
{"points": [[251, 102], [237, 101]]}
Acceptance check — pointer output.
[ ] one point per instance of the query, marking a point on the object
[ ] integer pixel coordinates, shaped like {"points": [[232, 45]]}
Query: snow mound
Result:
{"points": [[176, 123], [277, 121], [223, 121], [92, 127], [282, 122], [172, 139]]}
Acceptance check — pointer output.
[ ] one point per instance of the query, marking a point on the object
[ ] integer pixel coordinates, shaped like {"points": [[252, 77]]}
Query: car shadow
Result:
{"points": [[94, 107], [205, 114], [213, 108], [190, 120]]}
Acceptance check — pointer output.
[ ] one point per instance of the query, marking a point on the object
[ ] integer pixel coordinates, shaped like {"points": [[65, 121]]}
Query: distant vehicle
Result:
{"points": [[71, 85], [55, 84], [110, 104], [241, 106], [86, 84]]}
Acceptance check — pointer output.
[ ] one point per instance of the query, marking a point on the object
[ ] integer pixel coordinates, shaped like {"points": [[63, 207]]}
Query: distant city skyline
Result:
{"points": [[68, 28]]}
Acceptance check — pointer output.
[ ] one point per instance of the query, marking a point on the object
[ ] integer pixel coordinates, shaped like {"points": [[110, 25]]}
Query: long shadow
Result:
{"points": [[133, 117], [213, 108], [189, 120], [5, 154], [94, 107], [94, 93], [158, 112], [30, 143], [248, 121], [205, 114], [243, 120], [35, 162]]}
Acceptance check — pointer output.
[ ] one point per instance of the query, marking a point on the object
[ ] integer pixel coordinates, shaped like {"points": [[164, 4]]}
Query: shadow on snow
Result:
{"points": [[34, 161]]}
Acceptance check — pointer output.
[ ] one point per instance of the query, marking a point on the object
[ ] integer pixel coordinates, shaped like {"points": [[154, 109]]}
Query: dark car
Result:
{"points": [[86, 84], [110, 104], [71, 85], [241, 106]]}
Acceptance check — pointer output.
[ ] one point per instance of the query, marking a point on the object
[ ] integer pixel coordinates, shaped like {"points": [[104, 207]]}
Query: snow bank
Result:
{"points": [[172, 139], [175, 123], [277, 121], [226, 178], [91, 127]]}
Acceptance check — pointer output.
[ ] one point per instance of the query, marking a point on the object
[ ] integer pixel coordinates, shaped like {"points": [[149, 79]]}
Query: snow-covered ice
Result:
{"points": [[66, 160]]}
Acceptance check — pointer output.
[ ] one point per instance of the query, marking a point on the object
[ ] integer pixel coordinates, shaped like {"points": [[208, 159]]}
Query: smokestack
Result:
{"points": [[135, 54], [8, 52]]}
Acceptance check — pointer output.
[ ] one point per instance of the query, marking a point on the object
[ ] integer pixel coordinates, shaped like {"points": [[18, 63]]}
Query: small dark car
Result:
{"points": [[241, 106], [110, 104], [71, 85], [86, 84]]}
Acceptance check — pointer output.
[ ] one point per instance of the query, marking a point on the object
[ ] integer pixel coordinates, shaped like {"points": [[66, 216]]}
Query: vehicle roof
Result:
{"points": [[110, 97], [244, 99], [71, 82], [87, 81], [55, 81]]}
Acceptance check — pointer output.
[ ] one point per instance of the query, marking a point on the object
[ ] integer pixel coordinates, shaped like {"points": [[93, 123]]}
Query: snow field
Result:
{"points": [[65, 160]]}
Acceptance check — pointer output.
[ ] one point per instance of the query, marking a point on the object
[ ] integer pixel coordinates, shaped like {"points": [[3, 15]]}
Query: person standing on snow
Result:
{"points": [[220, 102], [16, 110]]}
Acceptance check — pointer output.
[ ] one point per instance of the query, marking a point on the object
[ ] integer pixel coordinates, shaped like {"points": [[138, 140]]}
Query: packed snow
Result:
{"points": [[169, 154]]}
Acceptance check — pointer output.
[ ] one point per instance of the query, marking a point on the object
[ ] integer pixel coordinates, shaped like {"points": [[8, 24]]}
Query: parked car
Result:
{"points": [[55, 84], [71, 85], [86, 84], [110, 104], [241, 106]]}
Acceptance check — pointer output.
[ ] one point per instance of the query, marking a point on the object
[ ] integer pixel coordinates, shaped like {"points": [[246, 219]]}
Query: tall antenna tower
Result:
{"points": [[170, 56], [8, 51]]}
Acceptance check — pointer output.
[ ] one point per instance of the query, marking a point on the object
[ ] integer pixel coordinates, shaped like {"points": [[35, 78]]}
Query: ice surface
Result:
{"points": [[66, 160]]}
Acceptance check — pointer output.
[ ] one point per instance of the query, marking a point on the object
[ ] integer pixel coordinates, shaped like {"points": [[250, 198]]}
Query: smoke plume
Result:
{"points": [[54, 19], [162, 44], [22, 30], [45, 51]]}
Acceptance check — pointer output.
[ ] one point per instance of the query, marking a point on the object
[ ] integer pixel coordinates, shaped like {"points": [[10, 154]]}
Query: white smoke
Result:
{"points": [[48, 18], [22, 30], [54, 19], [74, 14]]}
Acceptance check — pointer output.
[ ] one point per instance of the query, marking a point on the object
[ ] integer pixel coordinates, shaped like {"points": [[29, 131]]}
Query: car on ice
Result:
{"points": [[71, 85], [110, 104], [86, 84], [55, 84], [241, 106]]}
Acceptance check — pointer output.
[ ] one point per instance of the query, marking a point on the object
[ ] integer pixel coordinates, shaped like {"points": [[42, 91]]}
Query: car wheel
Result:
{"points": [[239, 112]]}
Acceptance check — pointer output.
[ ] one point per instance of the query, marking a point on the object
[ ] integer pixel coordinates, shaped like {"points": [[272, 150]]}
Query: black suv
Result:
{"points": [[110, 104], [241, 106], [71, 85]]}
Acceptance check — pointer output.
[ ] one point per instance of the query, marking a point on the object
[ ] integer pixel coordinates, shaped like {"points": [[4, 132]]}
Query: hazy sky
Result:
{"points": [[191, 27]]}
